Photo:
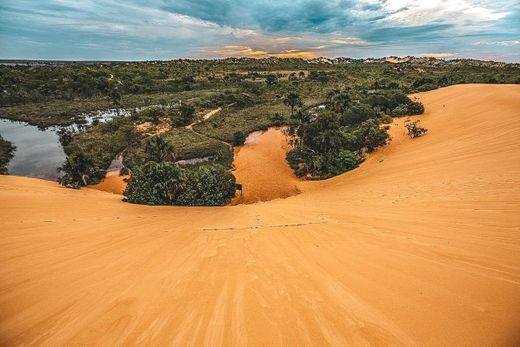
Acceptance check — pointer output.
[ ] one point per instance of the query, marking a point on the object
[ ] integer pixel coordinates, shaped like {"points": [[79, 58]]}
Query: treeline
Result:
{"points": [[27, 84]]}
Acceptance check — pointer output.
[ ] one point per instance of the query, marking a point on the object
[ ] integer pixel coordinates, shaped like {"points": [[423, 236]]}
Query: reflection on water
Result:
{"points": [[38, 152]]}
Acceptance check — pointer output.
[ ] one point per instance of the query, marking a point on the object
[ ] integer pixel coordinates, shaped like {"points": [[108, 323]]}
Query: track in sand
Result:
{"points": [[419, 246]]}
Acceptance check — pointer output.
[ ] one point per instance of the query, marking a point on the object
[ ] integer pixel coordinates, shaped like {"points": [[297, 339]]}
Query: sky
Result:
{"points": [[170, 29]]}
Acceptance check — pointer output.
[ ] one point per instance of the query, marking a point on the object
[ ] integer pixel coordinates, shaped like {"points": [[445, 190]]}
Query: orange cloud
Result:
{"points": [[245, 51], [438, 55]]}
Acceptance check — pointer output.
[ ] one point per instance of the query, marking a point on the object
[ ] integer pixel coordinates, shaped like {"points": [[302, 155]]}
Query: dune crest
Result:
{"points": [[419, 246]]}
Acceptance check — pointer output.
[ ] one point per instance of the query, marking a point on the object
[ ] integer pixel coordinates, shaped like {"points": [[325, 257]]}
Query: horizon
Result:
{"points": [[447, 59], [107, 30]]}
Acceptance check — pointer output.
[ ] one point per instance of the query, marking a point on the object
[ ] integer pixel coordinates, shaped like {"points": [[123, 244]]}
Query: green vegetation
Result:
{"points": [[167, 183], [330, 141], [155, 184], [239, 138], [336, 109], [6, 153], [79, 171]]}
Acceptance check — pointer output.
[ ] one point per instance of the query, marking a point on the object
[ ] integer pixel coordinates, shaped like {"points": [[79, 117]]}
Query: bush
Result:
{"points": [[415, 107], [277, 119], [239, 138], [207, 186], [336, 163], [370, 135], [152, 114], [303, 161], [357, 114], [400, 110], [158, 150], [170, 184], [155, 184], [306, 162], [79, 171], [414, 128]]}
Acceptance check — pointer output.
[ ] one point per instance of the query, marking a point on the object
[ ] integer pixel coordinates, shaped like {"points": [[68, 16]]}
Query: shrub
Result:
{"points": [[400, 110], [155, 184], [338, 162], [306, 162], [303, 161], [78, 171], [186, 112], [207, 186], [152, 114], [169, 184], [370, 135], [357, 114], [415, 107], [277, 119], [414, 128], [239, 138], [158, 150]]}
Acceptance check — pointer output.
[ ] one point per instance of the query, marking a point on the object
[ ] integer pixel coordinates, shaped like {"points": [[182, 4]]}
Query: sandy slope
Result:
{"points": [[419, 246]]}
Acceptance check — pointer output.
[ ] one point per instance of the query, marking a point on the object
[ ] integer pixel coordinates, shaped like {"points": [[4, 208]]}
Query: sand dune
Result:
{"points": [[419, 246]]}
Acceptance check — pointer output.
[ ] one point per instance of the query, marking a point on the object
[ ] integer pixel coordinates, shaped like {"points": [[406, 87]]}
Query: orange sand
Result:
{"points": [[111, 184], [419, 246], [261, 168]]}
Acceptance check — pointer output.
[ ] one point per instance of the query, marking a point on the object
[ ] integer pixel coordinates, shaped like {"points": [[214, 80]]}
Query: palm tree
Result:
{"points": [[158, 150], [338, 101], [78, 170], [292, 100]]}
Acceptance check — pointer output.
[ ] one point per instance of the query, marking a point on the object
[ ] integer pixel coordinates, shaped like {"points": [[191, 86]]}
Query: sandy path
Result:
{"points": [[261, 168], [205, 117], [419, 246]]}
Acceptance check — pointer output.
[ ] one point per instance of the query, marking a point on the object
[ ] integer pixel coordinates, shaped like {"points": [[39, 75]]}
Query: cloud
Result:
{"points": [[438, 55], [165, 29], [244, 51], [498, 43]]}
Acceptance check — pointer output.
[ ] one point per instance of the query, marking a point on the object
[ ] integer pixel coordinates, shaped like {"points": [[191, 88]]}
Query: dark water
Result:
{"points": [[39, 152]]}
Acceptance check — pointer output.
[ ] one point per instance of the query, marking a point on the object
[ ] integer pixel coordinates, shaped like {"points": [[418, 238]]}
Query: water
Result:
{"points": [[38, 151]]}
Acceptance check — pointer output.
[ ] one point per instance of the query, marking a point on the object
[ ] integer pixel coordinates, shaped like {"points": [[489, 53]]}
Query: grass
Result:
{"points": [[186, 144], [228, 121]]}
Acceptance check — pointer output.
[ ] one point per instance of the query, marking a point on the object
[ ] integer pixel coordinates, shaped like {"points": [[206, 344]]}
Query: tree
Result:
{"points": [[114, 95], [207, 186], [271, 80], [370, 135], [78, 171], [239, 138], [357, 114], [155, 184], [186, 112], [293, 100], [6, 154], [158, 150], [338, 101]]}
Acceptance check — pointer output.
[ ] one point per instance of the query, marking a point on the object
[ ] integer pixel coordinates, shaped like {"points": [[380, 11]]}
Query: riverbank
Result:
{"points": [[418, 246]]}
